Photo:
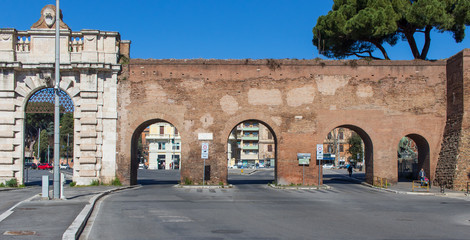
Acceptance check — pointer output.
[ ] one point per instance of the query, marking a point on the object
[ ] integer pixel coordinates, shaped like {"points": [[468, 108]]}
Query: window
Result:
{"points": [[162, 130], [270, 135], [341, 148], [176, 146], [341, 135], [176, 131], [329, 136], [161, 146], [330, 148], [270, 148]]}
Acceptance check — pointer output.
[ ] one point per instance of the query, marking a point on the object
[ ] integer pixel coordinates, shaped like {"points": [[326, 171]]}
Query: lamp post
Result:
{"points": [[57, 104]]}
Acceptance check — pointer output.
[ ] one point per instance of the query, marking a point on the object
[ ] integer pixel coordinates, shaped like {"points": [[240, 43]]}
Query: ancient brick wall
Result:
{"points": [[453, 167], [299, 100]]}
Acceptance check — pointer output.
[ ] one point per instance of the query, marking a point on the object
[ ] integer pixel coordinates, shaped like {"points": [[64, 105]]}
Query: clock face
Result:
{"points": [[49, 17]]}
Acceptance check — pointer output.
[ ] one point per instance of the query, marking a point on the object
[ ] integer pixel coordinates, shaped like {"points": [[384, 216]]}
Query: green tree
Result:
{"points": [[355, 147], [45, 141], [359, 27], [66, 131], [407, 149]]}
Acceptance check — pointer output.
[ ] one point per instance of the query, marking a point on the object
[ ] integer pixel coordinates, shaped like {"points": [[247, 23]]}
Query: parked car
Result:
{"points": [[328, 166], [64, 166], [30, 165], [45, 166]]}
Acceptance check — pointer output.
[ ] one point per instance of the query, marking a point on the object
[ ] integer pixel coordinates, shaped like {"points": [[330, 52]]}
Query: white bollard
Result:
{"points": [[45, 187], [62, 182]]}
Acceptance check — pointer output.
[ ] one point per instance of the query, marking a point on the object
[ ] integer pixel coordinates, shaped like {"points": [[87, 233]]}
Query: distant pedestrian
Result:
{"points": [[422, 176], [350, 169]]}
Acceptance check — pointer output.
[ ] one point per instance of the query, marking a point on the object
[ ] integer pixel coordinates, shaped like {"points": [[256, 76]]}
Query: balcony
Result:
{"points": [[163, 137], [252, 147], [250, 138], [251, 129]]}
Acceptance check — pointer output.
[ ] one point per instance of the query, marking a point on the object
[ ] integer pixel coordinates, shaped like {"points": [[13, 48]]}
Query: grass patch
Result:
{"points": [[116, 182], [95, 182], [11, 183]]}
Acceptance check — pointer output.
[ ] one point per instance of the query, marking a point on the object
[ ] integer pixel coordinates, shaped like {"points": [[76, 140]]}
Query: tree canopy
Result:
{"points": [[359, 27]]}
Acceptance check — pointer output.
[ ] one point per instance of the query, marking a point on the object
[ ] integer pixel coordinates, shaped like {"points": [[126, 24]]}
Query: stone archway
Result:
{"points": [[252, 144]]}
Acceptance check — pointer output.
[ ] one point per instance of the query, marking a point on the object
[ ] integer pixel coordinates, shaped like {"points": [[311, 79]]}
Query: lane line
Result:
{"points": [[8, 212]]}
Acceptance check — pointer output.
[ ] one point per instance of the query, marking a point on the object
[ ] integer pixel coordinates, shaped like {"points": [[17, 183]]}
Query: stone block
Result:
{"points": [[9, 94], [87, 173], [89, 108], [6, 147], [7, 173], [7, 134], [7, 107], [88, 147], [87, 160], [6, 160]]}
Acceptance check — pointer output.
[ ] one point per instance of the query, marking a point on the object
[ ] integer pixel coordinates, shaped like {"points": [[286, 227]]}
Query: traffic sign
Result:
{"points": [[205, 151], [319, 151]]}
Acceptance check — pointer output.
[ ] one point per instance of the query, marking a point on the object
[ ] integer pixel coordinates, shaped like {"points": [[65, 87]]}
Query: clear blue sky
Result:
{"points": [[221, 29]]}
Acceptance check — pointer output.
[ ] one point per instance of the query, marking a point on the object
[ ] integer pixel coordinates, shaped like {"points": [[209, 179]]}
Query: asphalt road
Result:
{"points": [[256, 211]]}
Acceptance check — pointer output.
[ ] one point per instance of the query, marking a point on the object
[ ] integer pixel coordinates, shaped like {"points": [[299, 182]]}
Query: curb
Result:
{"points": [[77, 226]]}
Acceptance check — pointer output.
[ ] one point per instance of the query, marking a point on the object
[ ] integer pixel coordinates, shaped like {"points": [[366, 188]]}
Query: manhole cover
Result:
{"points": [[19, 233], [227, 231]]}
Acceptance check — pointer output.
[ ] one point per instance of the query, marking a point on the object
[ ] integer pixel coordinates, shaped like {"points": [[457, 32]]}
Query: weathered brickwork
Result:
{"points": [[299, 100], [454, 166]]}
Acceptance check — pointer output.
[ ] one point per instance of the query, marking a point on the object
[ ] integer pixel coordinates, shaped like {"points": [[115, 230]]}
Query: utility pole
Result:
{"points": [[39, 144], [57, 104], [68, 148]]}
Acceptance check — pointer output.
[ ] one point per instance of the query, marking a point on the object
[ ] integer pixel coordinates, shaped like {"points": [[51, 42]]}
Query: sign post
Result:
{"points": [[319, 158], [204, 155], [304, 159]]}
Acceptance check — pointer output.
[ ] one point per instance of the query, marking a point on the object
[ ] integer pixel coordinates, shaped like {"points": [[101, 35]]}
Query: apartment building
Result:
{"points": [[251, 144], [164, 146]]}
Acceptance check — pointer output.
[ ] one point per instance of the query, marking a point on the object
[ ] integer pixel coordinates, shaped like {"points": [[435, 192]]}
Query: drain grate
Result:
{"points": [[19, 233]]}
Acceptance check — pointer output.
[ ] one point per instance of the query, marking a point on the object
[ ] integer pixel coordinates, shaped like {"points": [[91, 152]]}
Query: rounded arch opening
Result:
{"points": [[348, 145], [251, 153], [413, 154], [38, 151], [155, 147]]}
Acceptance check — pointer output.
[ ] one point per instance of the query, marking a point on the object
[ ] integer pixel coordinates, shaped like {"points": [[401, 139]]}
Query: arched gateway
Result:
{"points": [[300, 100]]}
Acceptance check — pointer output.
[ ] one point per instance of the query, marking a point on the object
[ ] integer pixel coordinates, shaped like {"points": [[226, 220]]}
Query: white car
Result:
{"points": [[141, 166], [328, 166], [64, 166]]}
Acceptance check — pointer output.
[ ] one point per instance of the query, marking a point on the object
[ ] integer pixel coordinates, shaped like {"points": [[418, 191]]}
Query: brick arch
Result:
{"points": [[424, 153], [132, 164], [237, 120], [368, 146]]}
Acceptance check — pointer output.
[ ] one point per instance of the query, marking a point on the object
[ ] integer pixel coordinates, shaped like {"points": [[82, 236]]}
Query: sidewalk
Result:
{"points": [[407, 188], [35, 218], [400, 187]]}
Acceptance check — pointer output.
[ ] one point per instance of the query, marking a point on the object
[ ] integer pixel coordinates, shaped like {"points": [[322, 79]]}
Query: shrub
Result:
{"points": [[12, 183], [95, 182], [187, 181], [116, 182], [73, 184], [2, 184]]}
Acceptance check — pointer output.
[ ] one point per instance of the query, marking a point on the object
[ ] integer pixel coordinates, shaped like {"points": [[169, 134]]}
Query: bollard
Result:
{"points": [[45, 187], [62, 182]]}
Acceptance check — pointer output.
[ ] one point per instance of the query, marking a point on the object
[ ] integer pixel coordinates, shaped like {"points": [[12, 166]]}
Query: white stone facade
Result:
{"points": [[89, 70]]}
